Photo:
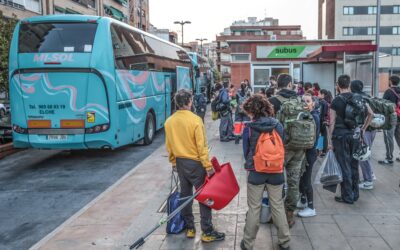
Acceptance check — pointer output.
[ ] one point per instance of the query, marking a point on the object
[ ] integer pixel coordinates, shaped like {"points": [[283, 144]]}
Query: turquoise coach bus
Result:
{"points": [[79, 82]]}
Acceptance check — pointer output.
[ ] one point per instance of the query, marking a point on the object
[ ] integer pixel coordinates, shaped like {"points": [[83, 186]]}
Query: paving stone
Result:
{"points": [[319, 219], [383, 219], [391, 234], [326, 236], [354, 225], [362, 243]]}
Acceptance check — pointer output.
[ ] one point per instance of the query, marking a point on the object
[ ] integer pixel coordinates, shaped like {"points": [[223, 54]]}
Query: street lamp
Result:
{"points": [[377, 43], [201, 43], [182, 23]]}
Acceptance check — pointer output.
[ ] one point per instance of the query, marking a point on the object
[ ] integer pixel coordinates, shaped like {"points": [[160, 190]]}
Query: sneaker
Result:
{"points": [[190, 233], [386, 162], [212, 236], [307, 212], [398, 159], [242, 246], [301, 205], [366, 185], [281, 247]]}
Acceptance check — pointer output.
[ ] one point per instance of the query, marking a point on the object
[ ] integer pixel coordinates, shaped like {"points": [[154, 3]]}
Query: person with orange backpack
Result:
{"points": [[264, 154]]}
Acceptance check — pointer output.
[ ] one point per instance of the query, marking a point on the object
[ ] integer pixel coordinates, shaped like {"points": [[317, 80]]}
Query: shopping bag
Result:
{"points": [[331, 173], [214, 115], [220, 189], [177, 223]]}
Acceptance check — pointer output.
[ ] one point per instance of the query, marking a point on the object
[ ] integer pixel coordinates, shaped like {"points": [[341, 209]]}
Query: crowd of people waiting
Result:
{"points": [[308, 122]]}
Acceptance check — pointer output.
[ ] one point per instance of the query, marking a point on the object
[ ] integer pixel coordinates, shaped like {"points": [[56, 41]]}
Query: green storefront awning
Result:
{"points": [[115, 13], [59, 9], [123, 2], [69, 11]]}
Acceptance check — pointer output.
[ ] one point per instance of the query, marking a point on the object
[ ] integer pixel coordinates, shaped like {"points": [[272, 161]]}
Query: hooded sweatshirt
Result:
{"points": [[251, 134]]}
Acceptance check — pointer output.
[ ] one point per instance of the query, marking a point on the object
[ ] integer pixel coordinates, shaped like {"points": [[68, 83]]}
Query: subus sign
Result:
{"points": [[54, 57], [285, 51]]}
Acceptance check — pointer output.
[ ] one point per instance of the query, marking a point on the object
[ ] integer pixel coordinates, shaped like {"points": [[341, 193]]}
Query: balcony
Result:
{"points": [[224, 63], [226, 75], [260, 38], [12, 4]]}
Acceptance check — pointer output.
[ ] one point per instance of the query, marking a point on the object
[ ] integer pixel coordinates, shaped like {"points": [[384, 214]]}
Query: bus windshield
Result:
{"points": [[56, 37]]}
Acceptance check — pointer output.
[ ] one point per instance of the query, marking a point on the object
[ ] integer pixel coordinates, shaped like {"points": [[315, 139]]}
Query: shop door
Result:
{"points": [[260, 77]]}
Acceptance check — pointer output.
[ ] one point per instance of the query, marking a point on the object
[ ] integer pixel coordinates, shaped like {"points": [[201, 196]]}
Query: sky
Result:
{"points": [[210, 17]]}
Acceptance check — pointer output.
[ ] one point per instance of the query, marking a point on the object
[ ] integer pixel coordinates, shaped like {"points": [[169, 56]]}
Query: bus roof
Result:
{"points": [[85, 18]]}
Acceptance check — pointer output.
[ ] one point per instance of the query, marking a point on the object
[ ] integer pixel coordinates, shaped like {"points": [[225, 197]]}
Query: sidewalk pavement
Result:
{"points": [[129, 208]]}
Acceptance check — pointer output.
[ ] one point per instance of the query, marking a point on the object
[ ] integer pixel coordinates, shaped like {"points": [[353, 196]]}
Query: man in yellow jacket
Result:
{"points": [[186, 142]]}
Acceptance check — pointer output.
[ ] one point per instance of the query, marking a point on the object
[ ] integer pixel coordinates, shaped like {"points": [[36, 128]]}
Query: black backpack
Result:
{"points": [[355, 111]]}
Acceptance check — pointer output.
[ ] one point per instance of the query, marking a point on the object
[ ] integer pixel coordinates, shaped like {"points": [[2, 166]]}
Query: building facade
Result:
{"points": [[355, 20], [136, 12], [164, 34], [253, 30]]}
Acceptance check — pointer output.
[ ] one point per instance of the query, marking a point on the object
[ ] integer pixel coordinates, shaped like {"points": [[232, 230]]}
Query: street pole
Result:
{"points": [[140, 15], [182, 23], [377, 42], [201, 44], [391, 61]]}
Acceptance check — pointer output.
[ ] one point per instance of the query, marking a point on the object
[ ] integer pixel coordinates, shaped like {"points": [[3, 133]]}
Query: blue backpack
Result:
{"points": [[177, 223]]}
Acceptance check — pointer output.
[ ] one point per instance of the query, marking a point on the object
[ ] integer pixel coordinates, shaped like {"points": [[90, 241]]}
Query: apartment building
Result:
{"points": [[133, 11], [253, 30], [356, 20]]}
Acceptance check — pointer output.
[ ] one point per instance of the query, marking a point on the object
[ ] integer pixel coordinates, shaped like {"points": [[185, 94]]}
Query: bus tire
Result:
{"points": [[149, 129]]}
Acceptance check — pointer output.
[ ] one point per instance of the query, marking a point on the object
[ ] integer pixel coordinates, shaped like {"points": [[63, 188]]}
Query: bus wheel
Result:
{"points": [[149, 129]]}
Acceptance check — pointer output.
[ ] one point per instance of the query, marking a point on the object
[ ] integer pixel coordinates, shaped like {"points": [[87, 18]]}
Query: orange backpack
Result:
{"points": [[270, 153]]}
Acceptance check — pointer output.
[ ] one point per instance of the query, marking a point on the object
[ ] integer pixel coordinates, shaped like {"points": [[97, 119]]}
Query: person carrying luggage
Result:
{"points": [[240, 115], [349, 116], [299, 129], [200, 103], [225, 113], [264, 158], [187, 146], [306, 202]]}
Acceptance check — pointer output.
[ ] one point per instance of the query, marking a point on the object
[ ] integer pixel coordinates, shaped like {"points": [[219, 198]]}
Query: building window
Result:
{"points": [[237, 33], [395, 30], [283, 32], [371, 30], [86, 3], [372, 10], [348, 31], [396, 9], [348, 10], [240, 57]]}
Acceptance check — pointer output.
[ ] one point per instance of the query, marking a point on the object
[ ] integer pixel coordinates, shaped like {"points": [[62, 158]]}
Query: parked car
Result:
{"points": [[5, 129], [3, 110]]}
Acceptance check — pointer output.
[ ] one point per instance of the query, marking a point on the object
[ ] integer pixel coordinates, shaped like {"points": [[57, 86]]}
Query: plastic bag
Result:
{"points": [[331, 172], [265, 214]]}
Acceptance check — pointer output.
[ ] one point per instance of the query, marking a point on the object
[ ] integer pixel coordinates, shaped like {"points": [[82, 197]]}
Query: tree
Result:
{"points": [[6, 30]]}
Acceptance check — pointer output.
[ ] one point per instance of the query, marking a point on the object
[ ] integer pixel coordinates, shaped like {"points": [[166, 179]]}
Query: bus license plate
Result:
{"points": [[57, 137]]}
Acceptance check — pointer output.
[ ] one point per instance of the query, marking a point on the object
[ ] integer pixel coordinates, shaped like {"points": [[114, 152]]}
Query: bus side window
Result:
{"points": [[129, 47]]}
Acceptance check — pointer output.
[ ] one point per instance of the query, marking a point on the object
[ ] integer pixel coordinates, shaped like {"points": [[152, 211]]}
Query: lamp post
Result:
{"points": [[377, 43], [182, 23], [201, 43]]}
